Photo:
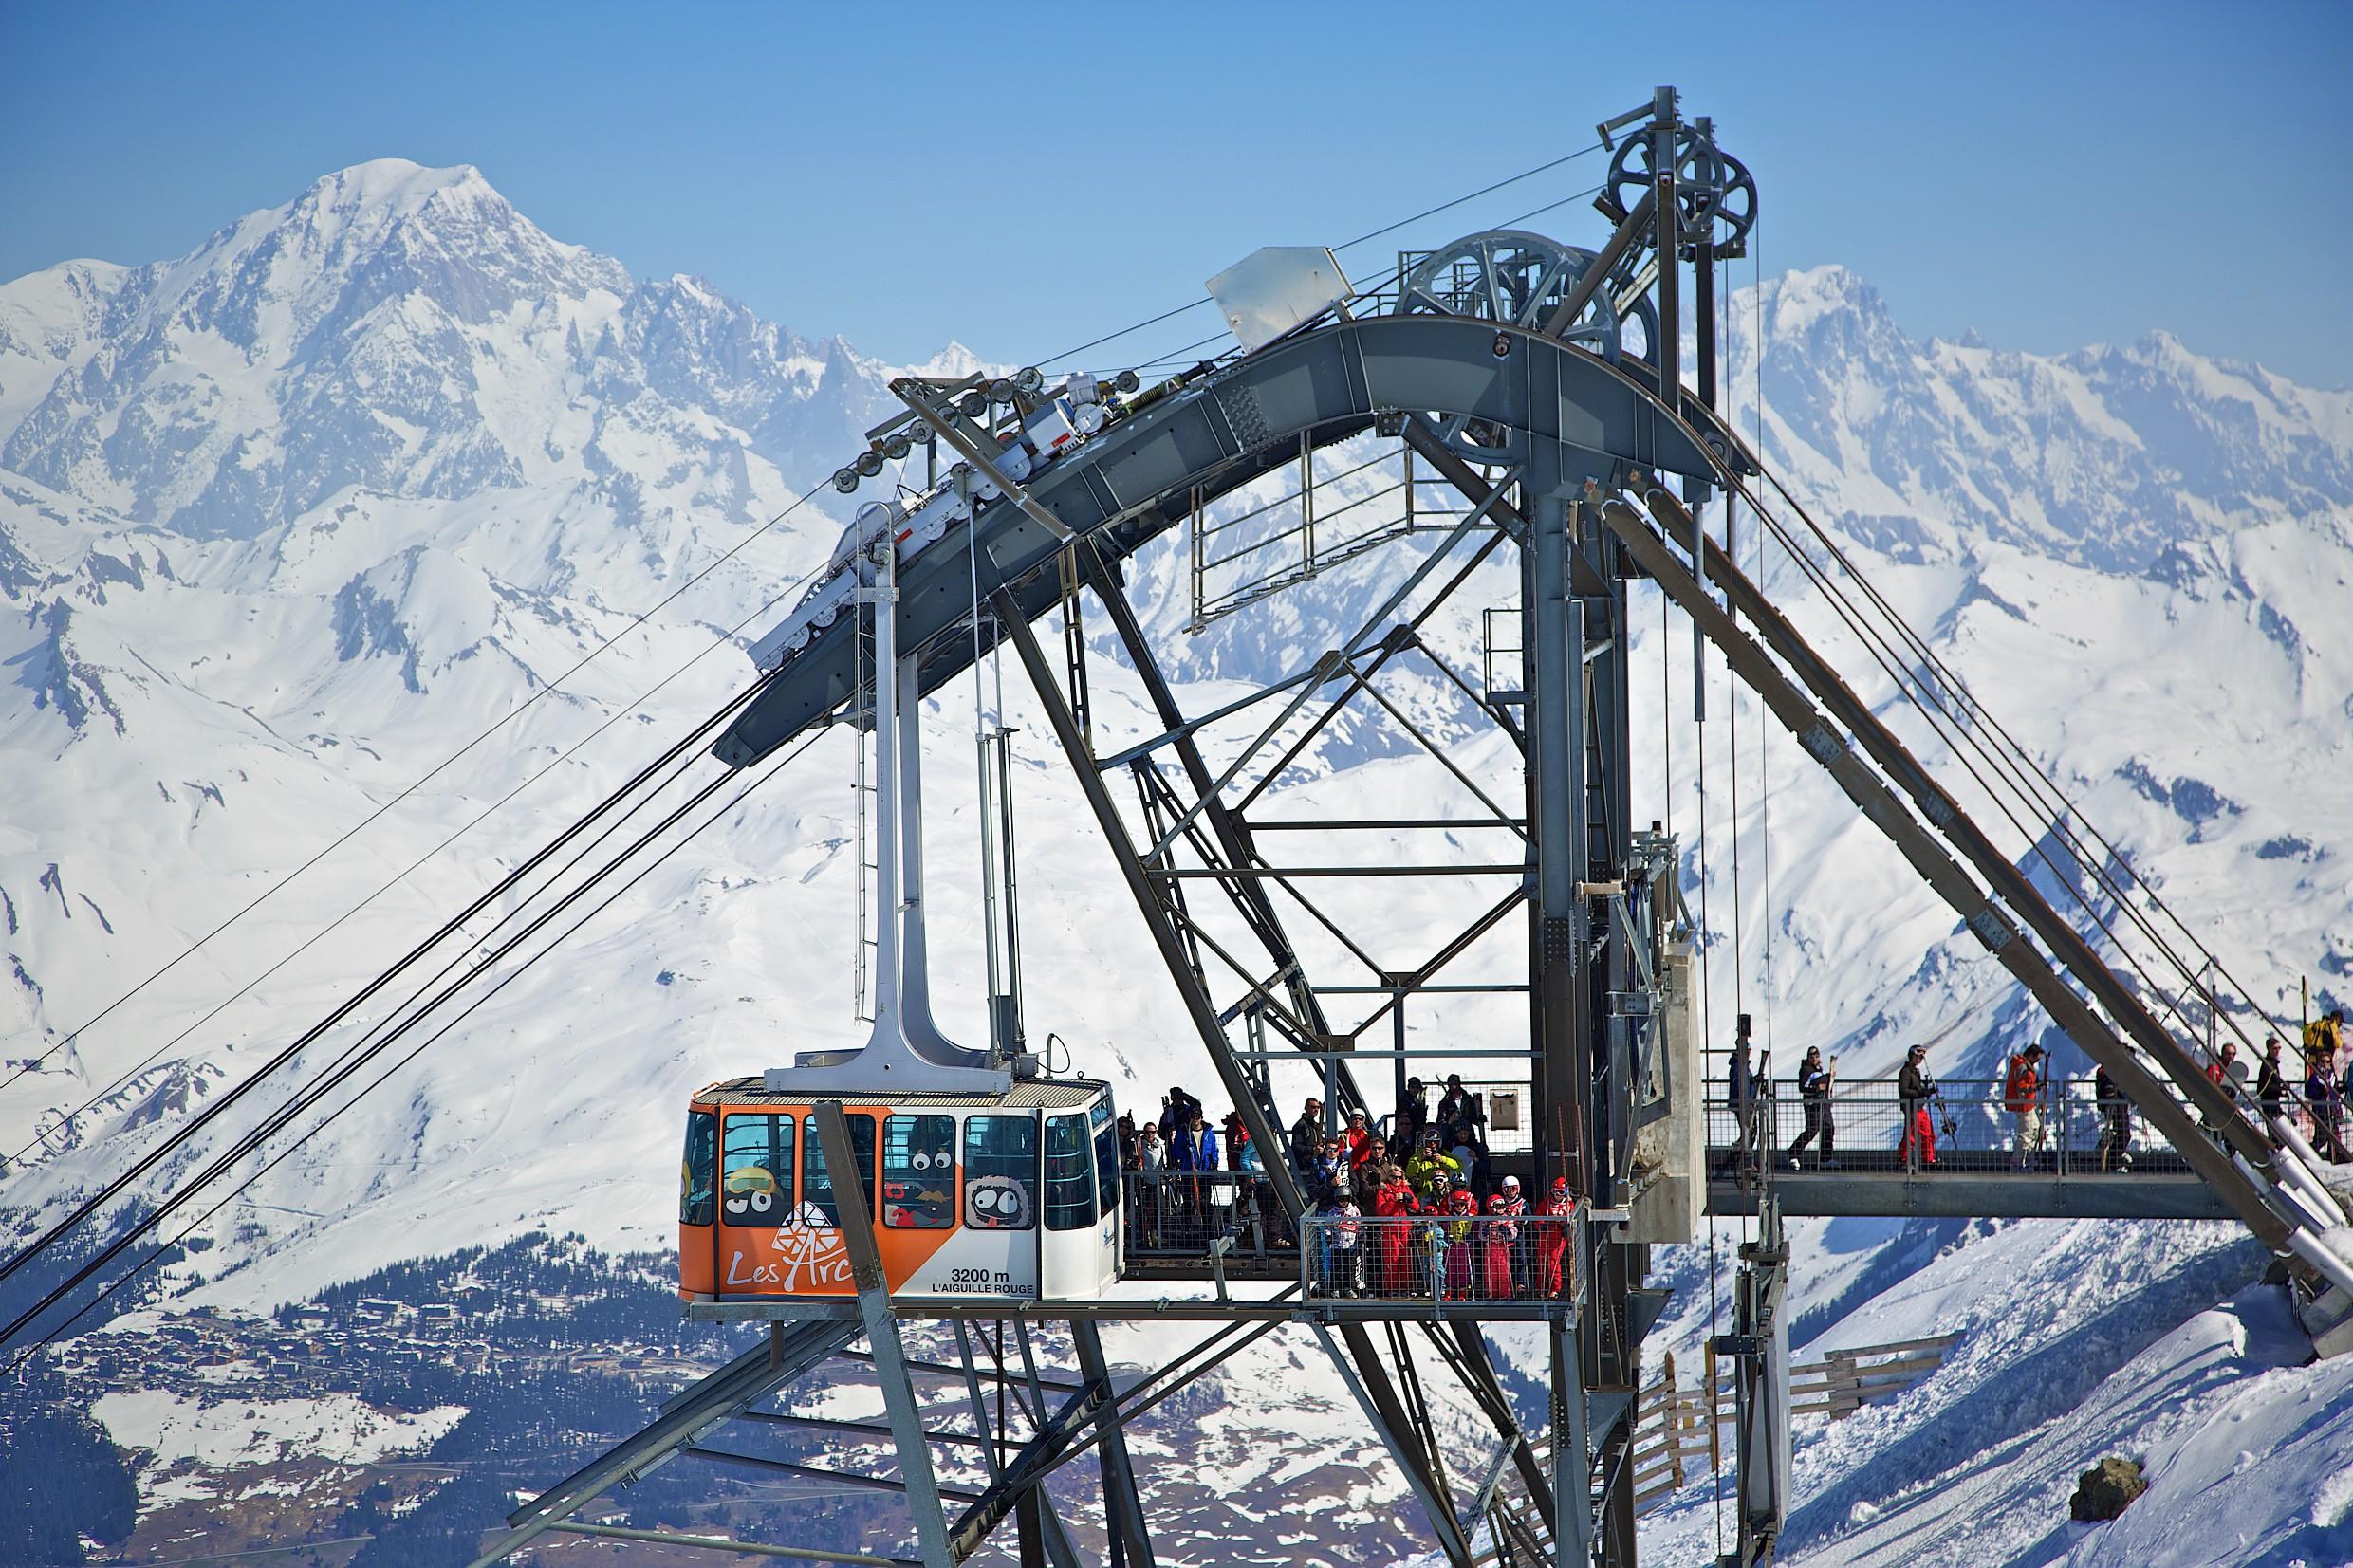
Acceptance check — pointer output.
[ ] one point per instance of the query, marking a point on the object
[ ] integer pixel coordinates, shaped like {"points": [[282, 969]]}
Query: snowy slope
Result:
{"points": [[285, 521]]}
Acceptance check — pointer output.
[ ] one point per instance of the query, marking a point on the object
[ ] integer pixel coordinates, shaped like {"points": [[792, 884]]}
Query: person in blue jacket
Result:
{"points": [[1194, 1150]]}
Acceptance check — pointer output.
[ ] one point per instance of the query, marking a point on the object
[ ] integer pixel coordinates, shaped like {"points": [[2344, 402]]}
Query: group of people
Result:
{"points": [[1438, 1238], [2325, 1088], [2327, 1085], [1422, 1214]]}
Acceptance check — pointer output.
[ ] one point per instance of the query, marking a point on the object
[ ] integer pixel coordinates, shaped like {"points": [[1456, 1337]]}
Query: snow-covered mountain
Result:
{"points": [[284, 522], [2105, 457]]}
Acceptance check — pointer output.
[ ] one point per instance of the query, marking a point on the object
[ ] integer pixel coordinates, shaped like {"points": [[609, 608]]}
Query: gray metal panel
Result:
{"points": [[1995, 1196], [1326, 383], [1276, 289], [1440, 364]]}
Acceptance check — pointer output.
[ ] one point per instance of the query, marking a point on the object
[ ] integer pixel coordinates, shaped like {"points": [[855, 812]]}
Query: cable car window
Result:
{"points": [[1069, 1176], [755, 1177], [695, 1171], [1107, 1170], [1000, 1173], [919, 1172], [816, 1187]]}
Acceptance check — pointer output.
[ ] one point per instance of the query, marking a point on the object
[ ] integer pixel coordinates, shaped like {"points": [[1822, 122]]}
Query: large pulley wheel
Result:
{"points": [[1714, 190], [1514, 277]]}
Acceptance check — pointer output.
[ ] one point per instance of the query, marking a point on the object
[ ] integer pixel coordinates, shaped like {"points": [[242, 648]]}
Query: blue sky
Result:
{"points": [[1025, 178]]}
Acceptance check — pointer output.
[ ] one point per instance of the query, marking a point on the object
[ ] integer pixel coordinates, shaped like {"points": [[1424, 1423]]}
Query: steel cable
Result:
{"points": [[1346, 245], [1923, 695], [123, 1078], [354, 1058], [410, 788], [120, 1281], [1957, 733], [454, 926]]}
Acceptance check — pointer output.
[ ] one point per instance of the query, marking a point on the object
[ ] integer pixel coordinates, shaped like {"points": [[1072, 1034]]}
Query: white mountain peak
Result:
{"points": [[397, 182], [955, 361]]}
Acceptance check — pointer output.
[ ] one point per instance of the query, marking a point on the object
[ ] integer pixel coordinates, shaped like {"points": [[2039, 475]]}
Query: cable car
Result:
{"points": [[983, 1175], [1013, 1195]]}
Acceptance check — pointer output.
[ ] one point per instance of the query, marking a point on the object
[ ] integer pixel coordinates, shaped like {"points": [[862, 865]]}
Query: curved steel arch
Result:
{"points": [[1135, 480]]}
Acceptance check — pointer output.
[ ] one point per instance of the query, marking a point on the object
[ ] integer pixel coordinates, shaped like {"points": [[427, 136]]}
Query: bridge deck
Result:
{"points": [[1993, 1194], [2056, 1185]]}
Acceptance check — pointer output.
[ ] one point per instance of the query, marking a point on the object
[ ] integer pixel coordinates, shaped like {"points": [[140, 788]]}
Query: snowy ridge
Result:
{"points": [[284, 521], [2106, 456]]}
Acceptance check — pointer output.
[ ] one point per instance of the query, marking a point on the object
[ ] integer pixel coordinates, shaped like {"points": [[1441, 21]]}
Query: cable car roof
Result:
{"points": [[1026, 1095]]}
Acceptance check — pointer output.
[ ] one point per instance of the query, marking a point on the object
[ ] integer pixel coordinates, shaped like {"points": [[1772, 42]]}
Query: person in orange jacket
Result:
{"points": [[2022, 1096]]}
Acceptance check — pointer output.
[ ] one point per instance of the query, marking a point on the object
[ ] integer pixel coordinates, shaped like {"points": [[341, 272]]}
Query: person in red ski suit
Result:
{"points": [[1393, 1243], [1499, 1241], [1460, 1208], [1552, 1228]]}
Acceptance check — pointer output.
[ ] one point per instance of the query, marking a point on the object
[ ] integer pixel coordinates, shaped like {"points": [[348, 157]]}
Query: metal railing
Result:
{"points": [[1184, 1213], [1440, 1258], [1970, 1127], [1238, 557]]}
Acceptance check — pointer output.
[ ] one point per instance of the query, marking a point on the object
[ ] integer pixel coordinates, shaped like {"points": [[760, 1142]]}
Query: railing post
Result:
{"points": [[1716, 1439]]}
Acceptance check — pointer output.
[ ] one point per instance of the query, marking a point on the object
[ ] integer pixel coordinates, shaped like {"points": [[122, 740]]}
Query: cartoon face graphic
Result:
{"points": [[996, 1202], [933, 1174], [749, 1196]]}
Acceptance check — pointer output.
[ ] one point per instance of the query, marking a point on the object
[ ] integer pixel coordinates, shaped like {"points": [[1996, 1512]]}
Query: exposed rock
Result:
{"points": [[2105, 1491]]}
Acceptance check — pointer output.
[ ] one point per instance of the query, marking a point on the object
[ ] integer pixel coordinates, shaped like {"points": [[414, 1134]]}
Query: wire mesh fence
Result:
{"points": [[1965, 1125], [1181, 1213], [1469, 1258]]}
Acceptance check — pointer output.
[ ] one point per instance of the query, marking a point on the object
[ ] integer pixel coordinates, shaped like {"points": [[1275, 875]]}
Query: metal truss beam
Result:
{"points": [[1945, 875], [1023, 1473], [722, 1543], [845, 1307], [1123, 1506], [1108, 1418], [1469, 1353], [1140, 1309], [1232, 835], [1417, 981], [874, 1309], [1361, 1368], [785, 1355], [1381, 1407], [856, 1428], [817, 1472], [1128, 485], [1239, 1089]]}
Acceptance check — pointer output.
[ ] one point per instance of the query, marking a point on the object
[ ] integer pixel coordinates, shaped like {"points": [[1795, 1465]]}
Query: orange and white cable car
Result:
{"points": [[983, 1176], [1013, 1195]]}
